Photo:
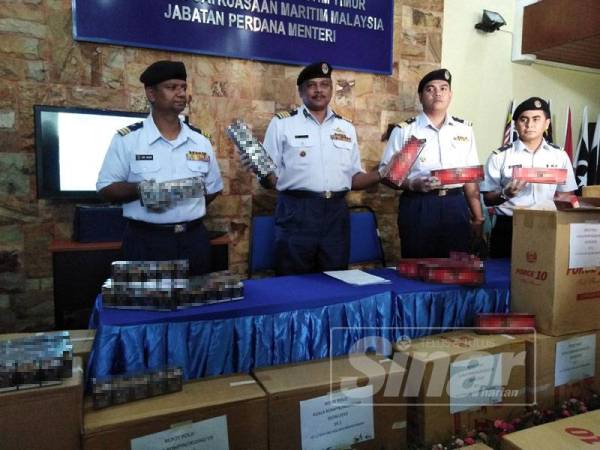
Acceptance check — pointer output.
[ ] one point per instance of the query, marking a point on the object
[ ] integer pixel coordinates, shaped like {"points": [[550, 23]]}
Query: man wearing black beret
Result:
{"points": [[318, 162], [144, 156], [532, 119], [431, 221]]}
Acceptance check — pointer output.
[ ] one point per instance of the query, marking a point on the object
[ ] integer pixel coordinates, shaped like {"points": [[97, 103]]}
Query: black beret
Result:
{"points": [[315, 70], [440, 74], [532, 103], [163, 70]]}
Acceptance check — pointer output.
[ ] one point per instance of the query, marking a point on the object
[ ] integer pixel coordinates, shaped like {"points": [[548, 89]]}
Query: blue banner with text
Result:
{"points": [[349, 34]]}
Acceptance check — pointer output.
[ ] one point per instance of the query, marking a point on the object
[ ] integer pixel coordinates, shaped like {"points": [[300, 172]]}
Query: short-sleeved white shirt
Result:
{"points": [[498, 173], [310, 155], [452, 145], [142, 153]]}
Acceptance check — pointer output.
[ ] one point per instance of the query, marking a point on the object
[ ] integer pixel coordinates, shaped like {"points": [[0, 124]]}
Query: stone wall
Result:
{"points": [[40, 63]]}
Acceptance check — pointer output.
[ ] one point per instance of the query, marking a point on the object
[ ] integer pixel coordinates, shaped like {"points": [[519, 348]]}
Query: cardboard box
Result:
{"points": [[591, 191], [577, 432], [565, 300], [44, 418], [459, 378], [239, 398], [479, 446], [578, 356], [298, 394]]}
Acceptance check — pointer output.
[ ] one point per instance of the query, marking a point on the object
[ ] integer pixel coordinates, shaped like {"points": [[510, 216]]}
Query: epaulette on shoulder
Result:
{"points": [[406, 123], [459, 120], [285, 114], [502, 149], [337, 116], [553, 145], [203, 133], [129, 128]]}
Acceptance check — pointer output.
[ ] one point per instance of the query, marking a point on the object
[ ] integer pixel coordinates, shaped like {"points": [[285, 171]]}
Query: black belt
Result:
{"points": [[311, 194], [169, 227], [434, 192]]}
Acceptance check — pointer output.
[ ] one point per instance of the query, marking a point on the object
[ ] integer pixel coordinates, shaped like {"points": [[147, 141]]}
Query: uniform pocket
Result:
{"points": [[144, 168], [198, 167], [344, 152]]}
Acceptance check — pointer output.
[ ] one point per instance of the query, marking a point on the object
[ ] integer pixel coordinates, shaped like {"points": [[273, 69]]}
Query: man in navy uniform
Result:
{"points": [[532, 119], [431, 221], [162, 148], [318, 162]]}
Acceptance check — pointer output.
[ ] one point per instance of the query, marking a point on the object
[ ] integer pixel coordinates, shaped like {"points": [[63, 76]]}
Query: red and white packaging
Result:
{"points": [[452, 274], [457, 175], [540, 175], [401, 162], [504, 323], [460, 268]]}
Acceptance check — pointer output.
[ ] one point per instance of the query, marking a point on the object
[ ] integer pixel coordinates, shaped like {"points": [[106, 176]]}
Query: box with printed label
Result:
{"points": [[458, 379], [574, 433], [555, 270], [47, 417], [347, 402], [228, 412], [560, 368]]}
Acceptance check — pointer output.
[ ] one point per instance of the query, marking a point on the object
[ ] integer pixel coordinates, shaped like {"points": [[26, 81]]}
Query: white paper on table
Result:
{"points": [[337, 420], [210, 434], [356, 277], [475, 382], [575, 359], [584, 245]]}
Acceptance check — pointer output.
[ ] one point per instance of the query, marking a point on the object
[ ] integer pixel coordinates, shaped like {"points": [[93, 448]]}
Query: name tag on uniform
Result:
{"points": [[198, 156], [144, 157], [461, 138], [341, 137], [301, 136], [518, 166]]}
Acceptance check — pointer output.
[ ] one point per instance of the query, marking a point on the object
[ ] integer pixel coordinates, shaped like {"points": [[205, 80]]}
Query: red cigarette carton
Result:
{"points": [[401, 162], [457, 175], [540, 175], [504, 323]]}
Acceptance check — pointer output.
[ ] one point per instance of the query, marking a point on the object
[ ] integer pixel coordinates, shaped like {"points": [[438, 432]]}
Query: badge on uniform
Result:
{"points": [[339, 135], [197, 156], [144, 157], [461, 138]]}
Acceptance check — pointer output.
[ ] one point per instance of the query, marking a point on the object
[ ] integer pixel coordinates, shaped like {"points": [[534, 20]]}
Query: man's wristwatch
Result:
{"points": [[503, 195]]}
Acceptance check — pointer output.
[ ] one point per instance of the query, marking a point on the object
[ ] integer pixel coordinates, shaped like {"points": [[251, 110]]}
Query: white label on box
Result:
{"points": [[338, 419], [584, 245], [210, 434], [575, 359], [475, 382]]}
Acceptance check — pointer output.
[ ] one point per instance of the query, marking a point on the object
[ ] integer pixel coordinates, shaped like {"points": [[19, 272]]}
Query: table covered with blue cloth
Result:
{"points": [[287, 319]]}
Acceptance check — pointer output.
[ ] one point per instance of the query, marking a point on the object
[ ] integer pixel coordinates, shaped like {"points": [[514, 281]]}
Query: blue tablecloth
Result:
{"points": [[287, 319]]}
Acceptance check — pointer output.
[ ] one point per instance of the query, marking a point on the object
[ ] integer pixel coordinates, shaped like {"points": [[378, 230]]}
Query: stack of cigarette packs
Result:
{"points": [[250, 149], [41, 360], [120, 389], [166, 193], [165, 286], [459, 268]]}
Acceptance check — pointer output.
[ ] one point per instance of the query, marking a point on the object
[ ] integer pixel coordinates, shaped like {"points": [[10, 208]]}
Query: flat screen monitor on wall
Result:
{"points": [[70, 147]]}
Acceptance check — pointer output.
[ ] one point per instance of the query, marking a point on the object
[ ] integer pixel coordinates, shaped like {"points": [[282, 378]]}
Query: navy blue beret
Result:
{"points": [[440, 74], [163, 70], [320, 69], [532, 103]]}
